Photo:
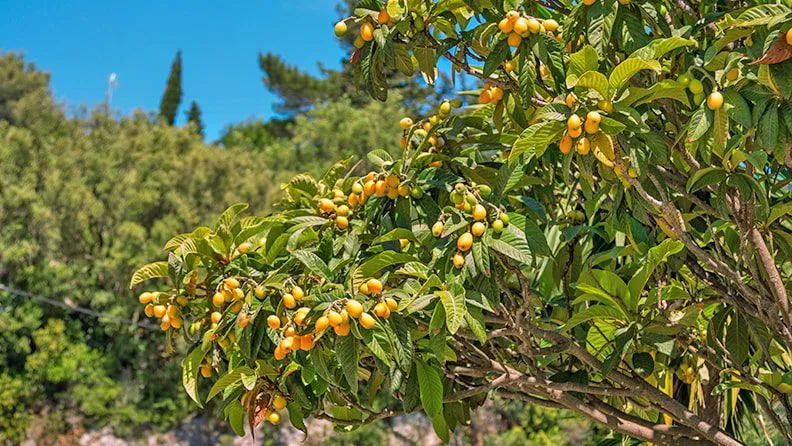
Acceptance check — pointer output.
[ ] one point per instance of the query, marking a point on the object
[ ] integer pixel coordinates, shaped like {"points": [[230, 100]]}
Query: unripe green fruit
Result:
{"points": [[504, 218], [456, 103], [418, 23], [497, 226], [471, 199], [417, 193], [421, 133], [684, 79], [696, 86], [456, 197], [340, 28], [445, 108]]}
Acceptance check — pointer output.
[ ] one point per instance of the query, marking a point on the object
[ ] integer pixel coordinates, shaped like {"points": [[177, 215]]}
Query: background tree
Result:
{"points": [[171, 98], [194, 116], [606, 232]]}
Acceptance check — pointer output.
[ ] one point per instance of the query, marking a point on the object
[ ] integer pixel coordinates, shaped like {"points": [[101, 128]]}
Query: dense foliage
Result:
{"points": [[81, 202], [607, 232]]}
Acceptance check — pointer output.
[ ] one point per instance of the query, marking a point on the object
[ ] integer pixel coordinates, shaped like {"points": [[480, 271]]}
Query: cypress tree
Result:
{"points": [[194, 116], [172, 96]]}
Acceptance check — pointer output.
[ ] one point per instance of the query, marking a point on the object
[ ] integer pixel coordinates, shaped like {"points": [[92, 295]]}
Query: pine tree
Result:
{"points": [[172, 96], [194, 116]]}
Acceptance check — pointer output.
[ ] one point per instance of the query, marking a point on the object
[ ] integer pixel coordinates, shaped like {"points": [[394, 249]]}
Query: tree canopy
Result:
{"points": [[607, 231]]}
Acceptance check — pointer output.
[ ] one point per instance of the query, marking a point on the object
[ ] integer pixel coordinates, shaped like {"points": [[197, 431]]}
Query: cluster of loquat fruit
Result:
{"points": [[295, 333], [366, 33], [516, 26], [422, 128], [466, 199], [166, 308], [575, 128], [696, 87]]}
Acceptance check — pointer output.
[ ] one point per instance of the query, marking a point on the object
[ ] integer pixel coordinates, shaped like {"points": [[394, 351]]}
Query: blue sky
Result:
{"points": [[80, 42]]}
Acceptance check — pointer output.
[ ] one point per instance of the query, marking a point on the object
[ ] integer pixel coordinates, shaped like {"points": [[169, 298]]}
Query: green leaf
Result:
{"points": [[235, 415], [227, 217], [474, 322], [512, 245], [720, 131], [767, 130], [611, 126], [379, 157], [760, 15], [659, 47], [623, 342], [740, 111], [596, 81], [427, 58], [147, 272], [700, 122], [600, 18], [380, 261], [704, 177], [440, 427], [403, 59], [627, 69], [314, 263], [656, 255], [395, 235], [537, 137], [296, 416], [594, 313], [499, 53], [454, 305], [536, 239], [227, 380], [191, 366], [665, 89], [580, 62], [643, 364], [737, 337], [431, 387], [613, 285], [347, 355]]}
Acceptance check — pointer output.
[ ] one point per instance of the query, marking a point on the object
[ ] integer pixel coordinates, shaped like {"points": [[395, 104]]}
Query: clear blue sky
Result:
{"points": [[80, 42]]}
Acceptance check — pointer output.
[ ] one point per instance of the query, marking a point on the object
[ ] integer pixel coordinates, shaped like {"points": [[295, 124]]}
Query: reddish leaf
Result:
{"points": [[778, 52]]}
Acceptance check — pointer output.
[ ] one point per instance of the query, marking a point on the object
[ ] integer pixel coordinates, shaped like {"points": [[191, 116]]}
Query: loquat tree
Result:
{"points": [[606, 230]]}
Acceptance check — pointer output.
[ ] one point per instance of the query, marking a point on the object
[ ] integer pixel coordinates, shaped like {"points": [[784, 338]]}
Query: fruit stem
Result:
{"points": [[708, 76]]}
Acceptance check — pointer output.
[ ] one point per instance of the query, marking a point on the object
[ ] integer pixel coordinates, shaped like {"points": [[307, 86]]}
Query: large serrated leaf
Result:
{"points": [[537, 137], [720, 131], [431, 387], [190, 368], [700, 122], [659, 47], [586, 59], [594, 313], [627, 69], [379, 157], [596, 81], [455, 309], [150, 271], [499, 53], [347, 355], [512, 245], [314, 263]]}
